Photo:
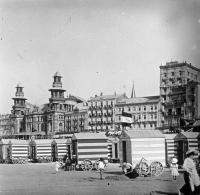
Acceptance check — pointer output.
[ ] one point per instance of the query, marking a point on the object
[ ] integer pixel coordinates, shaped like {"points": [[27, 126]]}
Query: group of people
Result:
{"points": [[70, 164], [67, 163], [191, 176]]}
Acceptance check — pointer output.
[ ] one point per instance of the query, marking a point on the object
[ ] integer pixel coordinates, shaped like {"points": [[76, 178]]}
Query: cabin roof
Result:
{"points": [[100, 135], [142, 134]]}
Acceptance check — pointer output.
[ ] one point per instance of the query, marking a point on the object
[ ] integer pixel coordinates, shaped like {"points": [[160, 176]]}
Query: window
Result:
{"points": [[151, 107], [129, 109], [172, 73], [144, 117], [144, 125], [144, 108], [139, 117], [139, 108], [155, 107]]}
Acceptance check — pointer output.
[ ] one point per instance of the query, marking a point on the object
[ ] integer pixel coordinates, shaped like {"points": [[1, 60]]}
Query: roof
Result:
{"points": [[75, 98], [100, 135], [142, 134], [108, 97], [18, 142], [61, 141], [57, 74], [190, 135], [170, 135], [19, 85], [42, 141], [139, 100], [5, 141]]}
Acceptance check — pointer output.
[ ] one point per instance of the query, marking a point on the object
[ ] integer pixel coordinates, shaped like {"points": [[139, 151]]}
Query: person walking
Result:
{"points": [[191, 177], [57, 166], [101, 167], [174, 168]]}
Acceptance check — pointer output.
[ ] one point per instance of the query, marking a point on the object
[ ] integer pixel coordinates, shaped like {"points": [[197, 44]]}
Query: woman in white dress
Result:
{"points": [[191, 177]]}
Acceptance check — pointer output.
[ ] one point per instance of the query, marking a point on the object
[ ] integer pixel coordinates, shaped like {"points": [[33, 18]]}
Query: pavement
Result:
{"points": [[41, 178]]}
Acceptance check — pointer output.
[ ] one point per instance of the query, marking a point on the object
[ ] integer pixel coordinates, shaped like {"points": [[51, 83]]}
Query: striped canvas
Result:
{"points": [[19, 151], [92, 149], [152, 149]]}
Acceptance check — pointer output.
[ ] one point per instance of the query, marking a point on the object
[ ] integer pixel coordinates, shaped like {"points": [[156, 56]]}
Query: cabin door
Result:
{"points": [[69, 151], [182, 148], [124, 149], [116, 151], [33, 152], [54, 152]]}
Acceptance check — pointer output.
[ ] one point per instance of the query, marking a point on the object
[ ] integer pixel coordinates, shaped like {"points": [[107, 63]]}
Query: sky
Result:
{"points": [[96, 45]]}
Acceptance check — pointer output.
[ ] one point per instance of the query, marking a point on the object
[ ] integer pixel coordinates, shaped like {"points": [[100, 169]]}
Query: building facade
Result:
{"points": [[101, 112], [49, 118], [180, 93], [144, 111]]}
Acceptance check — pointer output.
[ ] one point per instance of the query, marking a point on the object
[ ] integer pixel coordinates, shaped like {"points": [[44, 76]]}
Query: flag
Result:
{"points": [[126, 118]]}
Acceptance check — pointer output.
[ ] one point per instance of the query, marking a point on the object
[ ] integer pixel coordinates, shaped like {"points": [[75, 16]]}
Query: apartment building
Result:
{"points": [[101, 111], [144, 111], [179, 92]]}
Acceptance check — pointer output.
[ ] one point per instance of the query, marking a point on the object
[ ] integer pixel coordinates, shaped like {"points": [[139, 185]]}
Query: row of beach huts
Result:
{"points": [[130, 147]]}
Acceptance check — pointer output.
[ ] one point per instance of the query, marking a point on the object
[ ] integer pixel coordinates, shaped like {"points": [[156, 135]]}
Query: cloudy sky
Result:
{"points": [[96, 45]]}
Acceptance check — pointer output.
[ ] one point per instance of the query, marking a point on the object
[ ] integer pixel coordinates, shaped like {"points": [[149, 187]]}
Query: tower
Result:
{"points": [[57, 105], [18, 110], [19, 101], [57, 93]]}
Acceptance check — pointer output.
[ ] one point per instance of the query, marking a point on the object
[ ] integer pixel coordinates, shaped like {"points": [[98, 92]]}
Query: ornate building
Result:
{"points": [[101, 112], [48, 119], [144, 111], [180, 93]]}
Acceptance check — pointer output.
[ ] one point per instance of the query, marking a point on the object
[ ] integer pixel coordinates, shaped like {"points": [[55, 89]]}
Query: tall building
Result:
{"points": [[101, 111], [180, 93], [76, 120], [144, 111], [18, 110], [47, 119]]}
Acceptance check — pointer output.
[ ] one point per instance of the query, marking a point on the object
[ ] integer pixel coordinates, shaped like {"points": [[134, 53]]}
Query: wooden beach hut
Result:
{"points": [[18, 149], [135, 144], [90, 146], [60, 147], [40, 148], [4, 149], [113, 149], [170, 146], [185, 141]]}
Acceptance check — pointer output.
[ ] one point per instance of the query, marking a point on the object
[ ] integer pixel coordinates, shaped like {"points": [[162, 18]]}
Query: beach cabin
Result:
{"points": [[61, 147], [149, 144], [185, 141], [18, 149], [40, 148], [4, 149], [90, 146], [170, 146]]}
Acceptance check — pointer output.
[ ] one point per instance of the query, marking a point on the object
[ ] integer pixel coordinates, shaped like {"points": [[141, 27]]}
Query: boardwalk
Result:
{"points": [[41, 179]]}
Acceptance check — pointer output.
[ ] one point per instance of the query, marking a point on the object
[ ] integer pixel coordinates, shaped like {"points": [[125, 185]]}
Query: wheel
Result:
{"points": [[156, 168], [143, 169], [86, 165]]}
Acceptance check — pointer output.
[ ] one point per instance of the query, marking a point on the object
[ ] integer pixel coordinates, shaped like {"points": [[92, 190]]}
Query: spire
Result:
{"points": [[133, 91]]}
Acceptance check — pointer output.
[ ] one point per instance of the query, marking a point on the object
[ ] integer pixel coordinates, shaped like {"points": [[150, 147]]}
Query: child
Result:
{"points": [[101, 167], [57, 166], [174, 168]]}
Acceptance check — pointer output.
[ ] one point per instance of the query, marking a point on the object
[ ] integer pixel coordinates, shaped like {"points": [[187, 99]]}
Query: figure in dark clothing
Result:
{"points": [[68, 164]]}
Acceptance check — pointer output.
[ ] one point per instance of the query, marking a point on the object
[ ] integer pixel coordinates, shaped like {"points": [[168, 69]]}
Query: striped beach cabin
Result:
{"points": [[170, 146], [113, 149], [185, 141], [18, 149], [4, 149], [135, 144], [40, 148], [60, 147], [90, 146]]}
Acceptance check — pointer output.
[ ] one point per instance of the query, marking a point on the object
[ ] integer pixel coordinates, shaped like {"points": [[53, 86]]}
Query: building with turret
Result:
{"points": [[47, 119]]}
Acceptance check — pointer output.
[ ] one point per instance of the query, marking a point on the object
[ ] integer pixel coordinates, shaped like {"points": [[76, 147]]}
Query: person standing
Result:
{"points": [[191, 177], [174, 168], [101, 167], [57, 166]]}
